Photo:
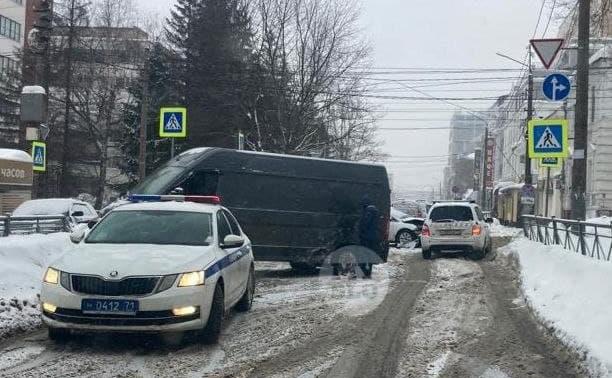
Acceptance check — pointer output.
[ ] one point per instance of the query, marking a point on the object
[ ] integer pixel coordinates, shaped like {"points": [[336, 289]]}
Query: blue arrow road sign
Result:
{"points": [[556, 87]]}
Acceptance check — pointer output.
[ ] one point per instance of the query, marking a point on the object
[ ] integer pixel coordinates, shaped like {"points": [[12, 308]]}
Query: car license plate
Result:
{"points": [[109, 306], [450, 232]]}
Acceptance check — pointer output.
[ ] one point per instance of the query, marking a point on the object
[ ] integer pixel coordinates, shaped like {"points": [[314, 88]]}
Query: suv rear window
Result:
{"points": [[451, 213]]}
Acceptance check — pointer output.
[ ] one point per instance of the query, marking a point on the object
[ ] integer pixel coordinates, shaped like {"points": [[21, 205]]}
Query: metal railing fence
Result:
{"points": [[589, 239], [45, 224]]}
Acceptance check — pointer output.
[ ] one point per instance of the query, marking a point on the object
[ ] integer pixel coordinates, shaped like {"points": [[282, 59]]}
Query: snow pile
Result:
{"points": [[497, 230], [572, 295], [604, 221], [22, 262]]}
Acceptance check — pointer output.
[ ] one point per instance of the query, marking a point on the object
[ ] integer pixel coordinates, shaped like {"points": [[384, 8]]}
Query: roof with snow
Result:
{"points": [[15, 155]]}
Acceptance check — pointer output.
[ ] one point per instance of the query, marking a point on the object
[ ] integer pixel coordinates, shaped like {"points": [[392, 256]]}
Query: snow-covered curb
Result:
{"points": [[572, 295], [22, 261]]}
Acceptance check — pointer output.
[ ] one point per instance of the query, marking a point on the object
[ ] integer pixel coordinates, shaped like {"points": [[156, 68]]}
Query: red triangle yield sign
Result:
{"points": [[547, 49]]}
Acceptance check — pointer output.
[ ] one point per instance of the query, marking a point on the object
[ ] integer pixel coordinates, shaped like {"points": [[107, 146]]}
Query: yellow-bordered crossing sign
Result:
{"points": [[548, 138], [173, 122], [550, 162], [39, 156]]}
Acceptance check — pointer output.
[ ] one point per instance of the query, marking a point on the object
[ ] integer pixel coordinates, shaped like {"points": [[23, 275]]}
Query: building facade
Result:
{"points": [[106, 63], [12, 37], [466, 134]]}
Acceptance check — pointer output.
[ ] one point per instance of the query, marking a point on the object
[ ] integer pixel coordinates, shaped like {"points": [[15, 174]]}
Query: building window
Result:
{"points": [[10, 28], [7, 64]]}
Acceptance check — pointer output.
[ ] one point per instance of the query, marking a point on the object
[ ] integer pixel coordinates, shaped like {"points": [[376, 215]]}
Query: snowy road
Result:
{"points": [[450, 317]]}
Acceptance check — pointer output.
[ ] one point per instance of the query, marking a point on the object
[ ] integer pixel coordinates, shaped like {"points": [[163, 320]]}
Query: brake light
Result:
{"points": [[476, 230], [212, 200], [425, 231]]}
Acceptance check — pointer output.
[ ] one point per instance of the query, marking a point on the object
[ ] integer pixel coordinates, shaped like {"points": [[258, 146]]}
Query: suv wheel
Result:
{"points": [[427, 254], [477, 254]]}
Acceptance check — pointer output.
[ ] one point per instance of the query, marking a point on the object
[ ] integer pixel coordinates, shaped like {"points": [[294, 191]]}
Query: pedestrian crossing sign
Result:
{"points": [[39, 156], [548, 138], [173, 122]]}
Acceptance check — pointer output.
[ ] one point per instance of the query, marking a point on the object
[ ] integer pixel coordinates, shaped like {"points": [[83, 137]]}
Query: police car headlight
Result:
{"points": [[52, 276], [191, 279]]}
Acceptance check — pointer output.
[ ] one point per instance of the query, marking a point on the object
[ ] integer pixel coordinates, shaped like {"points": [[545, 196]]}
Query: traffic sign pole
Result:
{"points": [[173, 124]]}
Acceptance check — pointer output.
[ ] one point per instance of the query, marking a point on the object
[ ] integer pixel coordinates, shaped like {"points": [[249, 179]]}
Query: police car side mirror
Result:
{"points": [[78, 234], [232, 241]]}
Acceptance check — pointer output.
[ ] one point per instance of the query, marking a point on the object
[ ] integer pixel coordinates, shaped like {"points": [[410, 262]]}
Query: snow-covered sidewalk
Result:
{"points": [[22, 261], [572, 294]]}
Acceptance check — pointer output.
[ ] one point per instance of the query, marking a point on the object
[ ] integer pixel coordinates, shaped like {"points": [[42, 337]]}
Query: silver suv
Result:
{"points": [[456, 227]]}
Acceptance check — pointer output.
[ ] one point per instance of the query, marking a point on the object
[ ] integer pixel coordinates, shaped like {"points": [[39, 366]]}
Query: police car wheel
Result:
{"points": [[246, 302], [59, 335], [212, 330]]}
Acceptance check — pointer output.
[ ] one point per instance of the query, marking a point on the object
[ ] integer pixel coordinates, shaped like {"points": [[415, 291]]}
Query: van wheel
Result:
{"points": [[212, 330], [366, 269], [404, 238], [59, 335], [426, 254], [246, 302], [302, 267]]}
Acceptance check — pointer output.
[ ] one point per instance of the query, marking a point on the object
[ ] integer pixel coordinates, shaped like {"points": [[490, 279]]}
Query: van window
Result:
{"points": [[201, 184], [158, 180]]}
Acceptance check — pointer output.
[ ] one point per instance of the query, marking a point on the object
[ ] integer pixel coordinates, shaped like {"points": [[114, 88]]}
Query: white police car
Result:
{"points": [[160, 264]]}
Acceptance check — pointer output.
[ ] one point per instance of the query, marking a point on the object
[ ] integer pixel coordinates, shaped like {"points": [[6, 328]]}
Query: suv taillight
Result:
{"points": [[425, 231], [476, 230]]}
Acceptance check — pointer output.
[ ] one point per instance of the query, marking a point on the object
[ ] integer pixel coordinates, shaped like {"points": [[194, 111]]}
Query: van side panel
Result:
{"points": [[297, 209]]}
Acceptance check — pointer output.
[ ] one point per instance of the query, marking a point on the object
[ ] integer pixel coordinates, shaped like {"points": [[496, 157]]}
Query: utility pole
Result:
{"points": [[63, 188], [144, 112], [528, 178], [581, 123]]}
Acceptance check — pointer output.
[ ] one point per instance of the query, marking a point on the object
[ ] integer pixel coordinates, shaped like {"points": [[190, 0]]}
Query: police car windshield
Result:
{"points": [[451, 213], [153, 227]]}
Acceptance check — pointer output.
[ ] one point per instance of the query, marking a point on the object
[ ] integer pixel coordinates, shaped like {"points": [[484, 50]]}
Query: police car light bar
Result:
{"points": [[212, 200]]}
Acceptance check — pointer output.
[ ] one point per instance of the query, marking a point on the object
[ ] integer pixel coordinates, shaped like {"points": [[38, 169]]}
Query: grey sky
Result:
{"points": [[434, 34]]}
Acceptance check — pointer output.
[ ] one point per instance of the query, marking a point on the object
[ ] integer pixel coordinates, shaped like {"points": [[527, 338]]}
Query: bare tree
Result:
{"points": [[311, 59], [106, 59]]}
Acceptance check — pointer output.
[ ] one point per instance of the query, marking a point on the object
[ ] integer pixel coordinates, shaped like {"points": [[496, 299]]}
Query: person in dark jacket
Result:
{"points": [[368, 225]]}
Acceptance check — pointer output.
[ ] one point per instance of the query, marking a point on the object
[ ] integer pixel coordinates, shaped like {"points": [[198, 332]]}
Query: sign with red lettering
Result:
{"points": [[490, 164]]}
